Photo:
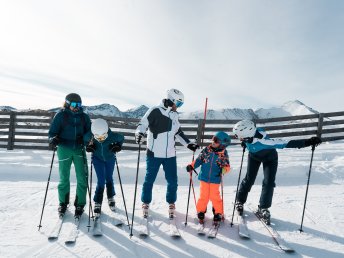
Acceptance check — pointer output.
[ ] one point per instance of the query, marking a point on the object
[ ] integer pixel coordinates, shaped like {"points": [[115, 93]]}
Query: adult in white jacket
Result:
{"points": [[162, 126]]}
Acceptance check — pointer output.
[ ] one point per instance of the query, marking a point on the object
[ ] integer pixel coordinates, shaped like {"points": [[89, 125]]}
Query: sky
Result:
{"points": [[238, 54]]}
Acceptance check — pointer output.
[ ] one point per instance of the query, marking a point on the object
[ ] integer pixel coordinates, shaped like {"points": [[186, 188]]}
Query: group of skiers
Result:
{"points": [[72, 133]]}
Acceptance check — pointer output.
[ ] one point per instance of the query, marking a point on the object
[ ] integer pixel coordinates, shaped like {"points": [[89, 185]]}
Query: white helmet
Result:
{"points": [[244, 129], [176, 96], [99, 129]]}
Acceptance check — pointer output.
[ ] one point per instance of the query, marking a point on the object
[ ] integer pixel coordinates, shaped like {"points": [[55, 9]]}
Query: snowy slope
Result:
{"points": [[23, 175]]}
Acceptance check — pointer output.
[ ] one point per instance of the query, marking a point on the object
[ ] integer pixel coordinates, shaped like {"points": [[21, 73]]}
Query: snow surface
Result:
{"points": [[24, 173]]}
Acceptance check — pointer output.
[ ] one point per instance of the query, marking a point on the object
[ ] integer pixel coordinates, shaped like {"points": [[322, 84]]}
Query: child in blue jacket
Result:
{"points": [[104, 145], [214, 162]]}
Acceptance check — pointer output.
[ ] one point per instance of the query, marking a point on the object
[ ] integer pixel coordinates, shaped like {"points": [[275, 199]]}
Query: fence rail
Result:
{"points": [[29, 130]]}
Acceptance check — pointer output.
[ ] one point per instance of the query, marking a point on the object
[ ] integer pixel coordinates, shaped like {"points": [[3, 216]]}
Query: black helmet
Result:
{"points": [[73, 97]]}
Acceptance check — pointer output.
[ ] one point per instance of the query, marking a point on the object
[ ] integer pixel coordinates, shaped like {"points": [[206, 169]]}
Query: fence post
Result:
{"points": [[11, 131], [320, 124], [199, 131]]}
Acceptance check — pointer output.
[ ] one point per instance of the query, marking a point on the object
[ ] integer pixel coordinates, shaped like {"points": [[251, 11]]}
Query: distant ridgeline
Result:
{"points": [[291, 108]]}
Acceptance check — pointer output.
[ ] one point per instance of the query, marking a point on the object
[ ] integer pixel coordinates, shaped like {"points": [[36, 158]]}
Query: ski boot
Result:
{"points": [[264, 213], [78, 212], [112, 203], [145, 207], [97, 209], [171, 209], [217, 219], [201, 217], [62, 209], [239, 206]]}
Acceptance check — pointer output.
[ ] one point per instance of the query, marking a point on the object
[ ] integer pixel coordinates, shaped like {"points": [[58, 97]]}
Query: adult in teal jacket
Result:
{"points": [[66, 133], [104, 144]]}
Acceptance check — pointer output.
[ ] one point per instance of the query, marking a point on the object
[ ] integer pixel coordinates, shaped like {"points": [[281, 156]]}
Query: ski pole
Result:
{"points": [[86, 174], [223, 206], [236, 194], [190, 184], [137, 175], [46, 189], [120, 183], [309, 175], [90, 207]]}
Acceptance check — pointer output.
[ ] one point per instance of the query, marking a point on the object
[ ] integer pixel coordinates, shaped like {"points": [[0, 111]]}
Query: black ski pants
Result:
{"points": [[269, 158]]}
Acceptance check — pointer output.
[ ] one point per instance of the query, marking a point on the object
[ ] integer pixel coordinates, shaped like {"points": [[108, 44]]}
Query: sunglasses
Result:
{"points": [[101, 138]]}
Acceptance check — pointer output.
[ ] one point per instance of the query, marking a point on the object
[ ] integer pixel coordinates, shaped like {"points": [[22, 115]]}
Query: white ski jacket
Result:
{"points": [[163, 127]]}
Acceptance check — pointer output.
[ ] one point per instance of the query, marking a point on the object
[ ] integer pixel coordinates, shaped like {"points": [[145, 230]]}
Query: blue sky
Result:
{"points": [[245, 54]]}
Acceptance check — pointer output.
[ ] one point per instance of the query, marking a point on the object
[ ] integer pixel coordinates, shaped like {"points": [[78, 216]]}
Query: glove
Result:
{"points": [[193, 146], [189, 168], [138, 137], [243, 144], [91, 147], [80, 140], [313, 141], [53, 142], [248, 140], [115, 147]]}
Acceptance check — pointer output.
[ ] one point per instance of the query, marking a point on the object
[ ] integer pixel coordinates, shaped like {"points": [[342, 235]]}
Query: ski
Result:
{"points": [[213, 230], [97, 226], [55, 232], [73, 233], [143, 228], [281, 243], [173, 229], [117, 219], [201, 229], [242, 227]]}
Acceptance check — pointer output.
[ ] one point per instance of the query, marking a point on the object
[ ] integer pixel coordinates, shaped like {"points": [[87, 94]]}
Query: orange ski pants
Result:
{"points": [[209, 191]]}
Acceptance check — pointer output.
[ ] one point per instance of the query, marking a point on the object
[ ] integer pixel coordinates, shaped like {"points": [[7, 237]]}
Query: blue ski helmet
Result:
{"points": [[223, 138]]}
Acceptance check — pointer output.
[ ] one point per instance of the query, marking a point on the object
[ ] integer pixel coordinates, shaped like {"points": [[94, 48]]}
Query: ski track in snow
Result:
{"points": [[23, 176]]}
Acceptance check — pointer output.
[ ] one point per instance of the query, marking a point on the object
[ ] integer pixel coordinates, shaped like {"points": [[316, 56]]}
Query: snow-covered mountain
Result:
{"points": [[6, 108], [136, 112], [290, 108]]}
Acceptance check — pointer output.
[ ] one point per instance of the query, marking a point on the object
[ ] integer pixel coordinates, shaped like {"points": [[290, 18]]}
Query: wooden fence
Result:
{"points": [[29, 130]]}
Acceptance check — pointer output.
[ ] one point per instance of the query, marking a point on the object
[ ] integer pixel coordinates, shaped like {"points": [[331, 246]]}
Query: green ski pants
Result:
{"points": [[67, 156]]}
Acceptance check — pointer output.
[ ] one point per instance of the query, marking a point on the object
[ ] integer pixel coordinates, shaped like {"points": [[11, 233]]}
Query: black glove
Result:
{"points": [[243, 144], [189, 168], [91, 147], [53, 142], [138, 137], [115, 147], [248, 139], [193, 146], [80, 140], [313, 141]]}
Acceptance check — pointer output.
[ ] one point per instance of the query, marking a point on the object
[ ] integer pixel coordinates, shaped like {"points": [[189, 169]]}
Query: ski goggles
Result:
{"points": [[74, 104], [179, 103], [101, 137]]}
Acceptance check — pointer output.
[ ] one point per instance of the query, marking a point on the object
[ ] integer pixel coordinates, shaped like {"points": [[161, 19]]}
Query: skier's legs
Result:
{"points": [[270, 169], [109, 168], [153, 165], [81, 171], [215, 198], [65, 162], [202, 202], [99, 167], [250, 177], [170, 168]]}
